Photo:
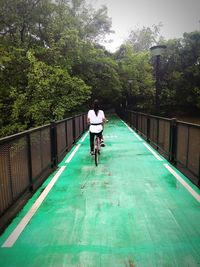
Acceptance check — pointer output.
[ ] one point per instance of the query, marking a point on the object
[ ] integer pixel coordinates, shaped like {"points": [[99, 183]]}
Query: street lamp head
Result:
{"points": [[158, 50]]}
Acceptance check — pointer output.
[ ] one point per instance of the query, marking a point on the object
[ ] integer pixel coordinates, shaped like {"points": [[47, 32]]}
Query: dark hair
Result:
{"points": [[96, 106]]}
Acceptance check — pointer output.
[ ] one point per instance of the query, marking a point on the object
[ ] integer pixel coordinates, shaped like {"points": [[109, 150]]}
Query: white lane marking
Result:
{"points": [[187, 186], [136, 135], [153, 152], [127, 126], [20, 227], [82, 140], [72, 154], [110, 136]]}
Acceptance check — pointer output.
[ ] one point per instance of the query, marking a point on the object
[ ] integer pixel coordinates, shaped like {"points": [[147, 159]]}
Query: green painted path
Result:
{"points": [[129, 211]]}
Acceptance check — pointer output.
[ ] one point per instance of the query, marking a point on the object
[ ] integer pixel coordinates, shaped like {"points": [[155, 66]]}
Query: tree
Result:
{"points": [[56, 33], [135, 67], [181, 73], [143, 39], [100, 71], [24, 22], [13, 76], [49, 95]]}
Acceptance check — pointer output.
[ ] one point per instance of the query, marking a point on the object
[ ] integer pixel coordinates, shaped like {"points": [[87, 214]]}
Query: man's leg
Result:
{"points": [[92, 142], [101, 138]]}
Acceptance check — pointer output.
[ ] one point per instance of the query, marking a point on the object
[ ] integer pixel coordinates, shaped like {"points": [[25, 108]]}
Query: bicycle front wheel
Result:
{"points": [[96, 157]]}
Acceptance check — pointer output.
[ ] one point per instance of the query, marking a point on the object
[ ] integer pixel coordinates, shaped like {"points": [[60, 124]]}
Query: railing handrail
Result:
{"points": [[150, 115], [189, 124], [23, 133]]}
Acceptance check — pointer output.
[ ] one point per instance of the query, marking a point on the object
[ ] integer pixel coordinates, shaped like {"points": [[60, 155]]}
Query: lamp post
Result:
{"points": [[157, 51]]}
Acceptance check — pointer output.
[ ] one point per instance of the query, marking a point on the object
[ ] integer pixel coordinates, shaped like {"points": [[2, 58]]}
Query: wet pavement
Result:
{"points": [[129, 211]]}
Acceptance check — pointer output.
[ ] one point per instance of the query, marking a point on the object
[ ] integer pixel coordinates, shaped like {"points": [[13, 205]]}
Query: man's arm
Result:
{"points": [[88, 117], [104, 118]]}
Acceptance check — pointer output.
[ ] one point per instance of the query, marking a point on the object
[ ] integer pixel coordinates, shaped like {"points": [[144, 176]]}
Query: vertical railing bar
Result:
{"points": [[137, 122], [79, 119], [148, 128], [53, 145], [10, 173], [199, 172], [66, 137], [74, 129], [41, 148], [83, 129], [157, 137], [188, 131], [171, 140], [56, 148], [173, 144], [29, 154]]}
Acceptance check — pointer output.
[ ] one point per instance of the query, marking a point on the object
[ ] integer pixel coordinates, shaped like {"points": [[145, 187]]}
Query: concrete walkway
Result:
{"points": [[134, 209]]}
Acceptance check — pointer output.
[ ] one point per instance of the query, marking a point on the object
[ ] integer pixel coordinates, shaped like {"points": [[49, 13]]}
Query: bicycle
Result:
{"points": [[97, 149], [97, 146]]}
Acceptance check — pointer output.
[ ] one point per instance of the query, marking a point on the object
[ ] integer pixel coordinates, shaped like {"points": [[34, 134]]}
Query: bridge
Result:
{"points": [[134, 209]]}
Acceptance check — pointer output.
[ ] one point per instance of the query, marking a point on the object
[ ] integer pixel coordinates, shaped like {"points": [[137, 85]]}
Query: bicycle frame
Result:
{"points": [[97, 148]]}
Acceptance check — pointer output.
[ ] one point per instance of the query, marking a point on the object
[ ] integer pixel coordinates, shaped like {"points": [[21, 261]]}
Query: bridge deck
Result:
{"points": [[134, 209]]}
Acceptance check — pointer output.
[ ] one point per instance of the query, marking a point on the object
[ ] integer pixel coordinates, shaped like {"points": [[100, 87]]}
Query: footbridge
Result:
{"points": [[134, 209]]}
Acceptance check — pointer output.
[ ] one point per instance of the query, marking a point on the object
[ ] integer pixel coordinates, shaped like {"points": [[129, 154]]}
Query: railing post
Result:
{"points": [[66, 135], [83, 123], [199, 172], [173, 141], [53, 134], [74, 128], [129, 118], [29, 162], [121, 113], [124, 114], [148, 128], [9, 171], [157, 134], [136, 126]]}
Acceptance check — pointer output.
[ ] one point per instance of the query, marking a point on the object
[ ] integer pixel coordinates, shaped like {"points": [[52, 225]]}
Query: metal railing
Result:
{"points": [[27, 158], [177, 141]]}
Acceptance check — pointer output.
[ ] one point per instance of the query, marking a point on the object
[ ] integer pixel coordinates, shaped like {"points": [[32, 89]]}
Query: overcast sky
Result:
{"points": [[177, 17]]}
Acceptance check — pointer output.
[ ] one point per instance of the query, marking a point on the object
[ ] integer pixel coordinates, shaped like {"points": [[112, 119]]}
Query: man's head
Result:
{"points": [[96, 104]]}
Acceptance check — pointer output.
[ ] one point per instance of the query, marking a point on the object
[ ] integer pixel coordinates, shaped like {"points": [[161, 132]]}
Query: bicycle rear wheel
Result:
{"points": [[96, 155]]}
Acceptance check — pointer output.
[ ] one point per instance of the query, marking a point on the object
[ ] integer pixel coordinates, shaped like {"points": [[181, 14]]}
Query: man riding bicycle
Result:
{"points": [[95, 119]]}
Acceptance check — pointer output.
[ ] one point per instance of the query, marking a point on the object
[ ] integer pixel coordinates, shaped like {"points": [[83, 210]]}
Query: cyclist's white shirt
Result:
{"points": [[95, 120]]}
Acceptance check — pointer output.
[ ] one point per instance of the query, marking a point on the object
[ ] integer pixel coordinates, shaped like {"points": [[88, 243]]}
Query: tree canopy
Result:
{"points": [[52, 64]]}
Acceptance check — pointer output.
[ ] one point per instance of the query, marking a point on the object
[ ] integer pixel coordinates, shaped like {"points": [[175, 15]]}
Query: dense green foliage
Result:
{"points": [[179, 69], [181, 73], [44, 45], [51, 64]]}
